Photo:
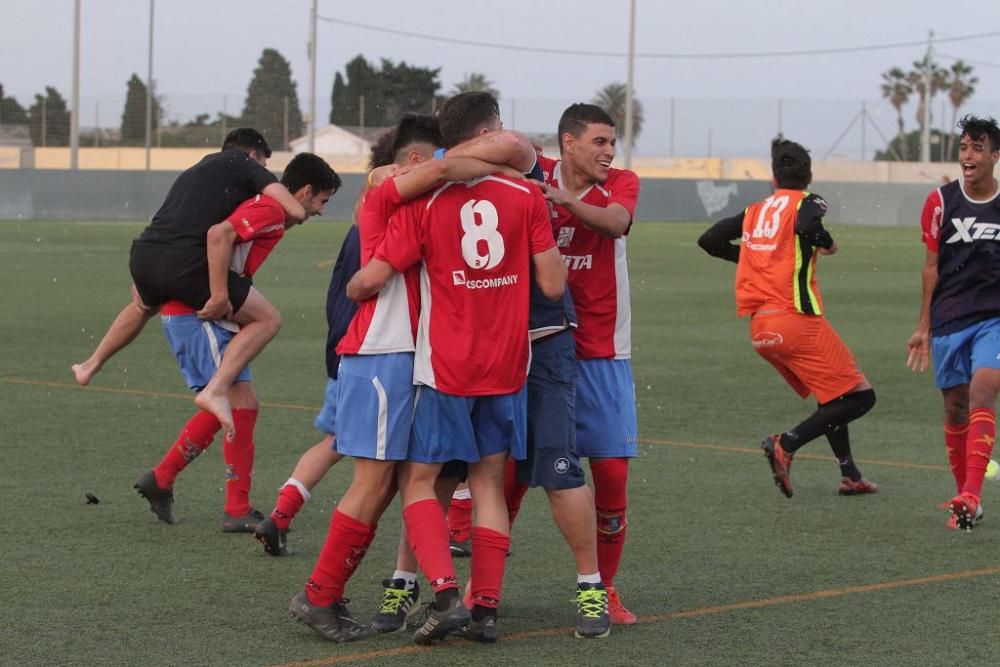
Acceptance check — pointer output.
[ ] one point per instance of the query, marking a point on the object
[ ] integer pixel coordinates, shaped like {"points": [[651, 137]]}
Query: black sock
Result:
{"points": [[828, 416], [479, 612], [443, 598], [840, 443]]}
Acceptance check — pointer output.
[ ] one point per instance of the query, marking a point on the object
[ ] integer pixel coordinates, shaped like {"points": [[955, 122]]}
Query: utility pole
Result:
{"points": [[312, 76], [925, 135], [149, 90], [630, 80], [74, 115]]}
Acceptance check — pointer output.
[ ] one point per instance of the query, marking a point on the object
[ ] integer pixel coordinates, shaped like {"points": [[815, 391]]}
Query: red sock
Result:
{"points": [[346, 543], [513, 490], [489, 554], [460, 519], [238, 456], [427, 531], [195, 438], [290, 501], [978, 448], [954, 442], [610, 500]]}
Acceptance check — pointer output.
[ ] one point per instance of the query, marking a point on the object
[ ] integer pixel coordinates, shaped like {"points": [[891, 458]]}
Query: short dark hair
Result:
{"points": [[462, 116], [416, 128], [247, 139], [977, 128], [790, 164], [309, 169], [381, 153], [577, 117]]}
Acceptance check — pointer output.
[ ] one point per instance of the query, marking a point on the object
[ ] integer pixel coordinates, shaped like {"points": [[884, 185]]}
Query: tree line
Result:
{"points": [[365, 94]]}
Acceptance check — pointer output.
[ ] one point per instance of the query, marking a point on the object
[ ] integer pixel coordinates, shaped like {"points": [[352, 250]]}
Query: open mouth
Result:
{"points": [[968, 169]]}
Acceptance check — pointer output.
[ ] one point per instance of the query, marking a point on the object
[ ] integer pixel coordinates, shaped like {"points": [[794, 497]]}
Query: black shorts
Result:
{"points": [[166, 273]]}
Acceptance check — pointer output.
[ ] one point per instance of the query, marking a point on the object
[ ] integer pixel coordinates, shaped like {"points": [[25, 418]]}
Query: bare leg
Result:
{"points": [[573, 511], [371, 490], [123, 330], [486, 482], [260, 322], [315, 462]]}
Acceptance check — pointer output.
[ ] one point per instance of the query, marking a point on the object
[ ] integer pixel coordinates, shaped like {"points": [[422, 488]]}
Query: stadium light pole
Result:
{"points": [[149, 89], [629, 131], [312, 76], [74, 115]]}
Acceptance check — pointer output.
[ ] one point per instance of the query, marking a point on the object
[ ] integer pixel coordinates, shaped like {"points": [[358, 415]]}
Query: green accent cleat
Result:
{"points": [[592, 618], [398, 605]]}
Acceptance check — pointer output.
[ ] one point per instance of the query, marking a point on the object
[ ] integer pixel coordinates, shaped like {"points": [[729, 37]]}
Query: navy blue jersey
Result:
{"points": [[967, 236], [339, 309]]}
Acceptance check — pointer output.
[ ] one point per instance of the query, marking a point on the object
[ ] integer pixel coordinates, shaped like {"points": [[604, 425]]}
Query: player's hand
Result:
{"points": [[555, 195], [510, 172], [919, 347], [832, 250], [381, 174], [216, 308]]}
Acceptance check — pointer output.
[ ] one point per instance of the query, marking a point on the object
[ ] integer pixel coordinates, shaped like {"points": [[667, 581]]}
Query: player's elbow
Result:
{"points": [[521, 154]]}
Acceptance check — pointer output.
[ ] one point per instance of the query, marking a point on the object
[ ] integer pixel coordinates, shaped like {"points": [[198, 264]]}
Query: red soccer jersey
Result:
{"points": [[387, 322], [259, 223], [476, 239], [930, 220], [598, 271]]}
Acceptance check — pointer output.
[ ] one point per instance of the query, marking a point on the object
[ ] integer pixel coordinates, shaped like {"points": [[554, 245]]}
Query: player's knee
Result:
{"points": [[866, 400], [611, 523]]}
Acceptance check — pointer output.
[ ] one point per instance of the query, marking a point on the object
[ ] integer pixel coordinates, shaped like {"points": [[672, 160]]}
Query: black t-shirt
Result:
{"points": [[339, 309], [205, 195]]}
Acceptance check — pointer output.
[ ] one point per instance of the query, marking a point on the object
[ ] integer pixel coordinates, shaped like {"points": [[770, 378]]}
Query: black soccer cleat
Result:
{"points": [[241, 524], [275, 540], [398, 604], [161, 501], [440, 624], [334, 622], [483, 631]]}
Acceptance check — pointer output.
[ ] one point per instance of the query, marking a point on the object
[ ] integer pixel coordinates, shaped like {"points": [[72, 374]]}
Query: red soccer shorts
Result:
{"points": [[807, 352]]}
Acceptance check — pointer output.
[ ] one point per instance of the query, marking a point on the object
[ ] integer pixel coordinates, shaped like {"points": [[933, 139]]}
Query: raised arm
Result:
{"points": [[280, 194], [504, 147]]}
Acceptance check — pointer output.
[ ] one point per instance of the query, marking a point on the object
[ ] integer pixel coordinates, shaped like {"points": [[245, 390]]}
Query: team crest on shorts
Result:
{"points": [[561, 465]]}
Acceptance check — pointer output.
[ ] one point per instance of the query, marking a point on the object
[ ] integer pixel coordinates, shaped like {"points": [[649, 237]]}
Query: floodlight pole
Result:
{"points": [[629, 131], [149, 89], [925, 135], [312, 76], [74, 115]]}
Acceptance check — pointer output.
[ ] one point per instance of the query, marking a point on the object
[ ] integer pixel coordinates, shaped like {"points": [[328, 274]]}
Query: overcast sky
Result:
{"points": [[205, 53]]}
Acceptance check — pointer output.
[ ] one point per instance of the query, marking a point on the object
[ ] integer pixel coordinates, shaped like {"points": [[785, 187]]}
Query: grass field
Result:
{"points": [[720, 567]]}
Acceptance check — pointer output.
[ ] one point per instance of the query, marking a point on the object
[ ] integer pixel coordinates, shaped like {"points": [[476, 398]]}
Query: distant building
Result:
{"points": [[336, 140], [15, 135]]}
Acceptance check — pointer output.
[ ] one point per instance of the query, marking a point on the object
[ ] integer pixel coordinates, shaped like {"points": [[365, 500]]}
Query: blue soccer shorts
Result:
{"points": [[326, 420], [606, 424], [957, 356], [199, 346], [552, 461], [462, 428], [375, 405]]}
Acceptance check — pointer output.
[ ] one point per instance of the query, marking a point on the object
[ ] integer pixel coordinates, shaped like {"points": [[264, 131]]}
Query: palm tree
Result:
{"points": [[475, 82], [611, 98], [960, 88], [916, 78], [897, 89]]}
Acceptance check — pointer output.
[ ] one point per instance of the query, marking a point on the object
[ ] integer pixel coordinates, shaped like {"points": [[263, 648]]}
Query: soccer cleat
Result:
{"points": [[161, 501], [483, 631], [619, 614], [398, 604], [275, 540], [848, 487], [241, 524], [593, 620], [440, 623], [460, 549], [966, 510], [952, 522], [781, 462], [334, 622]]}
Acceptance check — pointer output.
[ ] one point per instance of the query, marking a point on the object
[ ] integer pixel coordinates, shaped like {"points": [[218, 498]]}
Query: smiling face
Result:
{"points": [[977, 158], [312, 202], [592, 152]]}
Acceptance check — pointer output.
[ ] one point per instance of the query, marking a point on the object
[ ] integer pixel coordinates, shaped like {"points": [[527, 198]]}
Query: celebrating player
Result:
{"points": [[244, 241], [594, 209], [960, 312], [782, 236]]}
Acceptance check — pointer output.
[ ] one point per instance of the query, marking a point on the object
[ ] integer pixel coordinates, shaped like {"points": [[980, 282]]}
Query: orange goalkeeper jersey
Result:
{"points": [[776, 269]]}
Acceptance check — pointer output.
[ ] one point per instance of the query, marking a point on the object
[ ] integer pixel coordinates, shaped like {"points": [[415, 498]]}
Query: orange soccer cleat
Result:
{"points": [[849, 487], [781, 463], [966, 512], [619, 614]]}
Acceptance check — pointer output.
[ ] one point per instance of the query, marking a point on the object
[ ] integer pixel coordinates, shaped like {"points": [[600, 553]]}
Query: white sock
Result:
{"points": [[409, 577], [462, 494], [300, 486], [594, 578]]}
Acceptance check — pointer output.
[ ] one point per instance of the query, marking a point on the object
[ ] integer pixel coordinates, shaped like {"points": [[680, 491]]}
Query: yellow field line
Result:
{"points": [[313, 408], [676, 615]]}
